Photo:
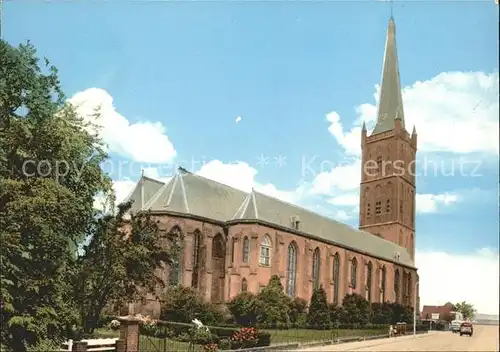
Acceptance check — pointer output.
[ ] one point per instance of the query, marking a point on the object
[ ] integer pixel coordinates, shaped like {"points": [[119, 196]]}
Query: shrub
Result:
{"points": [[243, 309], [400, 313], [183, 304], [298, 311], [337, 315], [272, 305], [357, 309], [381, 313], [318, 316]]}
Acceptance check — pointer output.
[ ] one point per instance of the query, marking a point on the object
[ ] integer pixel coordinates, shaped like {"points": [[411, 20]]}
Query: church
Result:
{"points": [[234, 241]]}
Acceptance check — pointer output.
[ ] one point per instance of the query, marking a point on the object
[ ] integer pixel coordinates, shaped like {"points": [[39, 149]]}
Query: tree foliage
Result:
{"points": [[298, 311], [118, 264], [467, 309], [357, 309], [382, 313], [243, 309], [318, 315], [272, 304], [49, 174], [183, 304]]}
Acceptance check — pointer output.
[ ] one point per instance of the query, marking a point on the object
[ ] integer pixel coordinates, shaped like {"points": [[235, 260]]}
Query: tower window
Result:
{"points": [[368, 210], [378, 208], [401, 207], [388, 206]]}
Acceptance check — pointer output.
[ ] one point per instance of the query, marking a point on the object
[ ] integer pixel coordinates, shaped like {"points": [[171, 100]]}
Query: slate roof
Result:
{"points": [[188, 193], [391, 99]]}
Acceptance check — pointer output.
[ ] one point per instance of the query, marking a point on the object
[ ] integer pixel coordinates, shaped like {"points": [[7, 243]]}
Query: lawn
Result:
{"points": [[308, 335]]}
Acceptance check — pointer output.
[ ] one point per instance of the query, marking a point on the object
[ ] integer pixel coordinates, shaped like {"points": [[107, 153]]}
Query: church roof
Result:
{"points": [[188, 193], [391, 99]]}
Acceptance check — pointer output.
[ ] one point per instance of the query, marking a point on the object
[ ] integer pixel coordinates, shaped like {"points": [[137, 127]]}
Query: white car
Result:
{"points": [[466, 328], [455, 326]]}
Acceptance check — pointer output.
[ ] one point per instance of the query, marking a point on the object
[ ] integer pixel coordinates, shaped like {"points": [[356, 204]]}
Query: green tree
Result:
{"points": [[381, 313], [118, 263], [298, 311], [183, 304], [401, 313], [337, 315], [49, 174], [272, 304], [357, 309], [467, 309], [243, 309], [318, 316]]}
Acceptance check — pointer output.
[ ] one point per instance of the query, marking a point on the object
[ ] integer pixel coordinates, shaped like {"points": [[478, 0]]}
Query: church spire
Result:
{"points": [[391, 101]]}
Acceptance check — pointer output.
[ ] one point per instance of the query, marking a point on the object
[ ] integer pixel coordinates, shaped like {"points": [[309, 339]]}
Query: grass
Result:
{"points": [[152, 344], [308, 335]]}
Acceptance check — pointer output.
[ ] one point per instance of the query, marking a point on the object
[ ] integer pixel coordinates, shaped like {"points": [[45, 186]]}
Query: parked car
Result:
{"points": [[455, 326], [466, 328]]}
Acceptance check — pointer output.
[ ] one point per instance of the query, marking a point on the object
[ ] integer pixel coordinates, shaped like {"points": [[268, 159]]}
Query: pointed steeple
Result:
{"points": [[391, 99]]}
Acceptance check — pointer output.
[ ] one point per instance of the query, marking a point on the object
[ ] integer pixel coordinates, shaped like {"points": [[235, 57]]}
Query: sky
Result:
{"points": [[272, 95]]}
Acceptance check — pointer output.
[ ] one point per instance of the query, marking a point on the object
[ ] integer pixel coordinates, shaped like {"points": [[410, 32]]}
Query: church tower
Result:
{"points": [[387, 194]]}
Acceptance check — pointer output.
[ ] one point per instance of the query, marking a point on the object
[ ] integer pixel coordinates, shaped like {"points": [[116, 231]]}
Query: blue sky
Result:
{"points": [[180, 73]]}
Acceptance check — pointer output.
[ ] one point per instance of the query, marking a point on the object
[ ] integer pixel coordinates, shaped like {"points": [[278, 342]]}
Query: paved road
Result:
{"points": [[485, 338]]}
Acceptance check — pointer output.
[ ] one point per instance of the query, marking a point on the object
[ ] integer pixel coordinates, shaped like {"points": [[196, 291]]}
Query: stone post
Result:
{"points": [[79, 346], [129, 334], [121, 346]]}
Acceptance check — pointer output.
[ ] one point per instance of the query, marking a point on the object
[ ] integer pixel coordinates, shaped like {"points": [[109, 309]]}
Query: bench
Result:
{"points": [[94, 345]]}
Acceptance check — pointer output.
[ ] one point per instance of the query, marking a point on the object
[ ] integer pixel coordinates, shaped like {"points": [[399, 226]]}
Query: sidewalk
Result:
{"points": [[368, 343]]}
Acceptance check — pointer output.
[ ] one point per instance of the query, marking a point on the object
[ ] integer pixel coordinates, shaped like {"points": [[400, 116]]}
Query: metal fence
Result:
{"points": [[171, 336]]}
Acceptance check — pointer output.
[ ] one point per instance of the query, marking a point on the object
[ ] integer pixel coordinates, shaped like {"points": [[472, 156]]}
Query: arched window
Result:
{"points": [[382, 284], [265, 251], [369, 282], [244, 285], [291, 270], [196, 258], [177, 247], [354, 271], [396, 285], [410, 289], [315, 268], [400, 239], [405, 286], [246, 249], [233, 248], [336, 278]]}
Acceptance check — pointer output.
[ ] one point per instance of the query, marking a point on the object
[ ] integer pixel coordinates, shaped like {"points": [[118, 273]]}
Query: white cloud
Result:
{"points": [[141, 141], [454, 112], [343, 177], [238, 119], [241, 176], [430, 203], [454, 278], [348, 199], [342, 215]]}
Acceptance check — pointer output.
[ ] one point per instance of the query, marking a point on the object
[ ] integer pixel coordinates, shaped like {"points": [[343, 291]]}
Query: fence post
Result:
{"points": [[79, 346], [129, 334], [121, 346]]}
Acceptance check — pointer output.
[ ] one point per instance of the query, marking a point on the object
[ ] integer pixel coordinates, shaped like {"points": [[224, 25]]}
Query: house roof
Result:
{"points": [[446, 308], [188, 193]]}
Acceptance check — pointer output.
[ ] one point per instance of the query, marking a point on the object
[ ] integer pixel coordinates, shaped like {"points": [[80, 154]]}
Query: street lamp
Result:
{"points": [[415, 310]]}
